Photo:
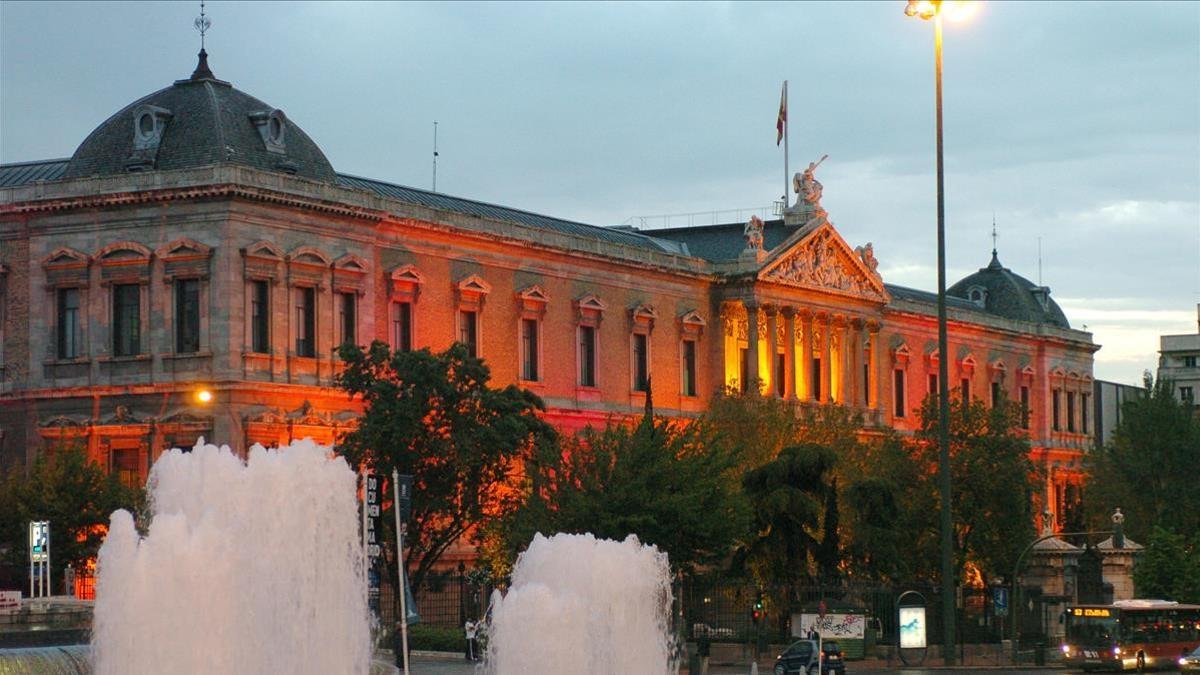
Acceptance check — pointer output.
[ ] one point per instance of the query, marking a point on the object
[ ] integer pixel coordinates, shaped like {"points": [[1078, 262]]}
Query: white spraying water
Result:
{"points": [[248, 567], [583, 605]]}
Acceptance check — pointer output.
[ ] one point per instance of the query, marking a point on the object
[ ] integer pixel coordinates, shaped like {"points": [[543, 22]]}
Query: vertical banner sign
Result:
{"points": [[371, 537], [1000, 600]]}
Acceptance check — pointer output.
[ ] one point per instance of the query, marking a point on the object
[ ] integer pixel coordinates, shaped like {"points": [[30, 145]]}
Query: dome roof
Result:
{"points": [[198, 122], [1003, 293]]}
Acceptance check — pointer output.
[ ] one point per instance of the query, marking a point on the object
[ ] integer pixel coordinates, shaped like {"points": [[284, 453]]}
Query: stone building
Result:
{"points": [[199, 241], [1179, 362]]}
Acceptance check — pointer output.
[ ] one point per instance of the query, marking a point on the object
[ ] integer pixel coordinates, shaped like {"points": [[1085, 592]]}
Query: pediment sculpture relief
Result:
{"points": [[820, 262]]}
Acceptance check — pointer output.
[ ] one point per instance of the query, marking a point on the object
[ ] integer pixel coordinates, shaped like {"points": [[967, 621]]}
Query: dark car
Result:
{"points": [[800, 658]]}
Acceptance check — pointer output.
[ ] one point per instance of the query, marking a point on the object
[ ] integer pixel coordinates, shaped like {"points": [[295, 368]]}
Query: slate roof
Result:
{"points": [[20, 173], [209, 123], [720, 243], [445, 202], [927, 297], [1010, 295]]}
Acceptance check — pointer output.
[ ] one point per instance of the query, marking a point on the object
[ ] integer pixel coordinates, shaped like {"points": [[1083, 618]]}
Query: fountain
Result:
{"points": [[247, 567], [584, 605]]}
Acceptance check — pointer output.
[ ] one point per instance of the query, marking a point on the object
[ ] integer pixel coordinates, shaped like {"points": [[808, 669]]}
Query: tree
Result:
{"points": [[1169, 567], [661, 480], [992, 478], [786, 496], [1148, 470], [76, 495], [433, 416]]}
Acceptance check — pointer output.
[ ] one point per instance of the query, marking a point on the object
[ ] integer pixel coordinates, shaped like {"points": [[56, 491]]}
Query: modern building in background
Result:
{"points": [[199, 241], [1179, 362]]}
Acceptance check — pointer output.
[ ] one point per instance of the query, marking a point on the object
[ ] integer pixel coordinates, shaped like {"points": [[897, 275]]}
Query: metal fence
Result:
{"points": [[447, 600]]}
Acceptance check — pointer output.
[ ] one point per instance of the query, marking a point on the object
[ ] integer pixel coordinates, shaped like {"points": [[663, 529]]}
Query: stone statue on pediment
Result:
{"points": [[753, 232], [867, 254], [807, 209]]}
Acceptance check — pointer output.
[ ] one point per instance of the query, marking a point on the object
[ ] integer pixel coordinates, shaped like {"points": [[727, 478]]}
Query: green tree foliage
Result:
{"points": [[1169, 567], [787, 497], [76, 495], [1149, 468], [662, 481], [433, 416], [992, 482]]}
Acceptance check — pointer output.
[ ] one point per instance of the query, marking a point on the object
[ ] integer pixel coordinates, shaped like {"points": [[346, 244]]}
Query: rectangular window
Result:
{"points": [[901, 406], [965, 390], [780, 374], [587, 356], [127, 320], [996, 394], [1054, 409], [347, 323], [260, 313], [125, 466], [529, 350], [69, 342], [816, 378], [306, 322], [1189, 362], [1024, 407], [1187, 395], [1071, 411], [468, 331], [187, 316], [933, 386], [641, 362], [1083, 411], [689, 368], [402, 326]]}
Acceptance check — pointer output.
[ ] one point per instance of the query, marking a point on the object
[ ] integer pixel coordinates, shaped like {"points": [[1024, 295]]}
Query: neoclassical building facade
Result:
{"points": [[199, 241]]}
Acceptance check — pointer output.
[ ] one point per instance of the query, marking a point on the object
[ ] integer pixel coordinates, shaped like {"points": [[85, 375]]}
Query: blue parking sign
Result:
{"points": [[1000, 600]]}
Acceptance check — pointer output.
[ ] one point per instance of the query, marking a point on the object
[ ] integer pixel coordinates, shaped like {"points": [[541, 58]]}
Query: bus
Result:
{"points": [[1136, 634]]}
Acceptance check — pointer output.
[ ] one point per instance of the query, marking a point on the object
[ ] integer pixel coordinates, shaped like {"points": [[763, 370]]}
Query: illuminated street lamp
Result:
{"points": [[935, 10], [204, 396]]}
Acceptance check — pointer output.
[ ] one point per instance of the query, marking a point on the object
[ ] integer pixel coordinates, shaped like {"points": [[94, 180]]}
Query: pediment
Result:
{"points": [[183, 248], [65, 257], [350, 263], [474, 284], [264, 249], [408, 274], [821, 260], [590, 302], [535, 294], [308, 255], [123, 250]]}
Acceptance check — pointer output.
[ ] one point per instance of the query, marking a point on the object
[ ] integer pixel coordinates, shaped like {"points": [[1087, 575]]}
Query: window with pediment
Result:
{"points": [[531, 304], [125, 271], [691, 328], [186, 265], [308, 272], [589, 311], [262, 264], [641, 320], [405, 287], [471, 293], [67, 277]]}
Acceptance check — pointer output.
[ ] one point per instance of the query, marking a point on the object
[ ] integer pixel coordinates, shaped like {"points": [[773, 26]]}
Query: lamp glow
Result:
{"points": [[204, 396]]}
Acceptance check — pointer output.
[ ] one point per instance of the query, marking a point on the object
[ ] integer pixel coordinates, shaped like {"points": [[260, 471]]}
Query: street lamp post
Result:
{"points": [[932, 9]]}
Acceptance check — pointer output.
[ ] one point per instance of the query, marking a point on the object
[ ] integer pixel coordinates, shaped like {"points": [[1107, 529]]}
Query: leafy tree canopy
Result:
{"points": [[1149, 468], [1169, 567], [433, 416], [76, 495]]}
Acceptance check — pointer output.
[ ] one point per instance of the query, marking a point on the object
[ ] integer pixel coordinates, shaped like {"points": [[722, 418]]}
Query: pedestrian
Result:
{"points": [[472, 630]]}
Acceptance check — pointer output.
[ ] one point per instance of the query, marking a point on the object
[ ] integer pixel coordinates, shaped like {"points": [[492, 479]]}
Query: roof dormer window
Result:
{"points": [[977, 295], [272, 126]]}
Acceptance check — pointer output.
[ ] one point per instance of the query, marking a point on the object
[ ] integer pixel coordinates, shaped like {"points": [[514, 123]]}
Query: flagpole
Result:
{"points": [[786, 179]]}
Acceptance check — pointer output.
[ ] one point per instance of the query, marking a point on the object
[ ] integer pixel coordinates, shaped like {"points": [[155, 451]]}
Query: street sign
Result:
{"points": [[39, 541], [404, 485], [1000, 600]]}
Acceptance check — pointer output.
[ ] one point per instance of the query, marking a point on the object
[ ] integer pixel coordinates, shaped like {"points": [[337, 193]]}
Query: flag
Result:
{"points": [[781, 121]]}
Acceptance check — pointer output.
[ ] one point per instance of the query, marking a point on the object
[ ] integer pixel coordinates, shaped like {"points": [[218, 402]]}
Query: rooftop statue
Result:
{"points": [[754, 233], [808, 187]]}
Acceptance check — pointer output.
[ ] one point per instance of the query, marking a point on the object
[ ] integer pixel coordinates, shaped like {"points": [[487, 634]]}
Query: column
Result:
{"points": [[843, 361], [751, 383], [857, 383], [826, 354], [877, 371], [805, 389], [772, 350], [789, 352]]}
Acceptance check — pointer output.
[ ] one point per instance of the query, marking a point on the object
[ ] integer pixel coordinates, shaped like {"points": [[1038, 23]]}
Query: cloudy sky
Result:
{"points": [[1074, 124]]}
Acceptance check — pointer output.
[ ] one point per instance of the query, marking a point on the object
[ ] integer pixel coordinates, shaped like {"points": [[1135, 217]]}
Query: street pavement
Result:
{"points": [[426, 665]]}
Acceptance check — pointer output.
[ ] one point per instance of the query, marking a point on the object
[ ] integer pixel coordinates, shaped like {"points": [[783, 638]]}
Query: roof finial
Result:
{"points": [[993, 234], [202, 24]]}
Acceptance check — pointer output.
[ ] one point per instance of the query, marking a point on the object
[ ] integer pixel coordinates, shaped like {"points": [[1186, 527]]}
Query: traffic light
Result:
{"points": [[758, 608]]}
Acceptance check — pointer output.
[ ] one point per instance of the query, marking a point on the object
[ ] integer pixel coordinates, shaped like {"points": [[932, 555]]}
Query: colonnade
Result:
{"points": [[844, 347]]}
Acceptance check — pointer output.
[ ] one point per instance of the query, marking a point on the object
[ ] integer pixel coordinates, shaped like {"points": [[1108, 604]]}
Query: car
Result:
{"points": [[1190, 660], [800, 658]]}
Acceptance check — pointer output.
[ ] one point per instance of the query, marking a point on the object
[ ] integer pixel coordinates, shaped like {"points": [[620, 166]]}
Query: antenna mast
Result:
{"points": [[435, 156]]}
